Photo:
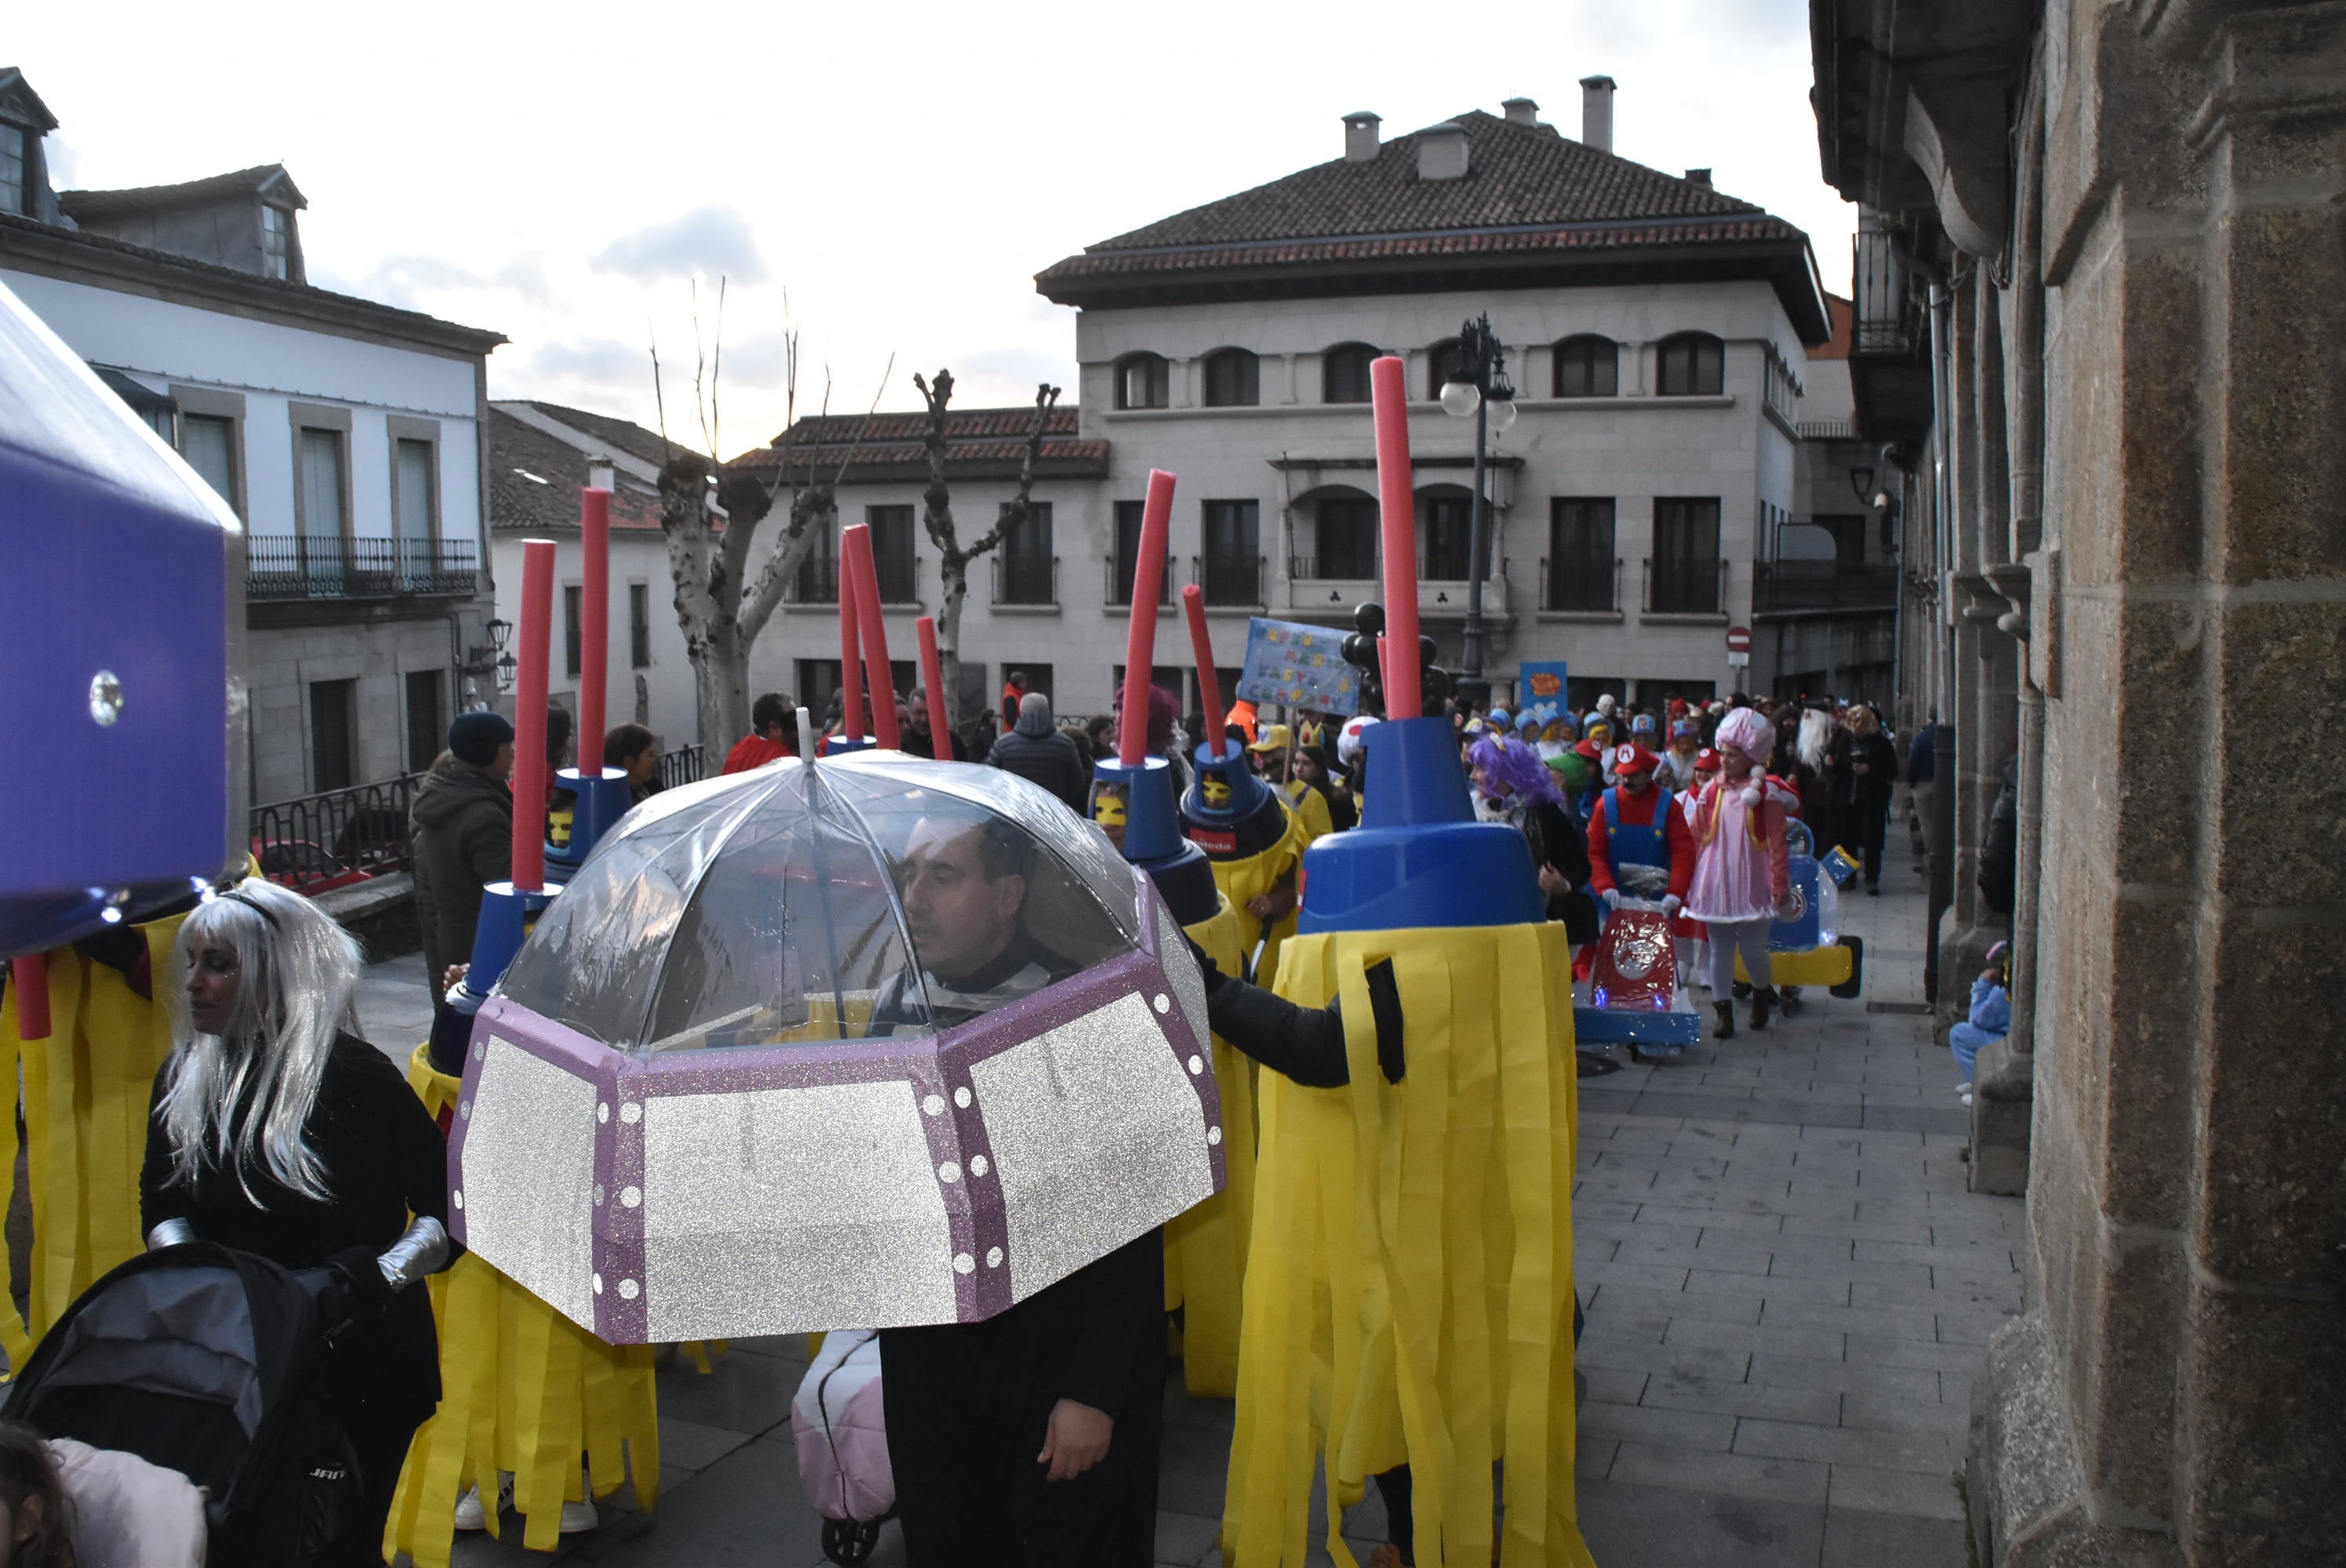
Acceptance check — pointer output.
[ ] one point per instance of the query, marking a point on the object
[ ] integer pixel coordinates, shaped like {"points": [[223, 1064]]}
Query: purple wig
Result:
{"points": [[1518, 766]]}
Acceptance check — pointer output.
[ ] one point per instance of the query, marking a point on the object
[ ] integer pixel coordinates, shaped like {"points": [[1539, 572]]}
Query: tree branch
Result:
{"points": [[1015, 512]]}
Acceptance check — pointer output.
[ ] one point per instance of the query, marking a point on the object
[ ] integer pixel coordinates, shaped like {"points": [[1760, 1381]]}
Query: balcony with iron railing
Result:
{"points": [[1581, 586], [1823, 588], [1118, 588], [283, 568], [1025, 582], [1230, 581], [816, 581], [1694, 588], [1334, 589]]}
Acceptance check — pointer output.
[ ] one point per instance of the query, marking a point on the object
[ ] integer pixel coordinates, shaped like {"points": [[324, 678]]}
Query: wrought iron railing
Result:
{"points": [[281, 567], [1025, 579], [324, 840], [1580, 585], [684, 765], [1889, 324], [816, 581], [1828, 429], [1119, 581], [1347, 568], [1694, 587], [1786, 587], [1229, 579]]}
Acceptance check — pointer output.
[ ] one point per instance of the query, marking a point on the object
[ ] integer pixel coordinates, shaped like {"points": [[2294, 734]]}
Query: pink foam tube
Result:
{"points": [[529, 715], [855, 559], [30, 975], [595, 626], [850, 677], [933, 678], [1140, 641], [1388, 388], [1210, 684]]}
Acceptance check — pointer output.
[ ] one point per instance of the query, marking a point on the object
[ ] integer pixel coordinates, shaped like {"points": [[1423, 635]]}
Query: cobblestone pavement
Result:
{"points": [[1789, 1294]]}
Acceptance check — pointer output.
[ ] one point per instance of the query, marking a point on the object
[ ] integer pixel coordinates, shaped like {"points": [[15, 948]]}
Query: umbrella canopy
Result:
{"points": [[870, 1041]]}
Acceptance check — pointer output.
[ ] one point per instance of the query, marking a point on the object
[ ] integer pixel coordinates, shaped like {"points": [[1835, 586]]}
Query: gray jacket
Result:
{"points": [[462, 839], [1050, 760]]}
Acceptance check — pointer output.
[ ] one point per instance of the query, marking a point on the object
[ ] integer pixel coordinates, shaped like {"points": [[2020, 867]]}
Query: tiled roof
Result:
{"points": [[1843, 315], [622, 435], [535, 479], [1534, 207], [86, 206], [982, 443]]}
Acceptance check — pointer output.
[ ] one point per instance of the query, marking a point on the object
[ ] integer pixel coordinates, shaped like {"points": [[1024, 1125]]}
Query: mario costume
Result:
{"points": [[1638, 827]]}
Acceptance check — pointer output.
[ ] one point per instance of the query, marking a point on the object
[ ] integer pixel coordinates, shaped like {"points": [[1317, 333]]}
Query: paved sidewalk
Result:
{"points": [[1789, 1294]]}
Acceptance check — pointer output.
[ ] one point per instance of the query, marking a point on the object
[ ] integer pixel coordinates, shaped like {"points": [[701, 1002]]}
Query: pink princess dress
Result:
{"points": [[1740, 872]]}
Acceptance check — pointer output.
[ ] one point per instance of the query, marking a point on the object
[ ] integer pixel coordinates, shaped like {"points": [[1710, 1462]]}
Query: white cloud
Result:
{"points": [[706, 242]]}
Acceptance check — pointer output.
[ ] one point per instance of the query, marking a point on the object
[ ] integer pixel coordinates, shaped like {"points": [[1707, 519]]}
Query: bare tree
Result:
{"points": [[952, 559], [711, 511]]}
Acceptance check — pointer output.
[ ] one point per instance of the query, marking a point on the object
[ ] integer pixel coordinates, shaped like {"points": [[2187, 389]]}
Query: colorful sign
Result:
{"points": [[1298, 666], [1542, 689]]}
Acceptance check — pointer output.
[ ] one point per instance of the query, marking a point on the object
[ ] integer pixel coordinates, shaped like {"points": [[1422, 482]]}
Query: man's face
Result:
{"points": [[1272, 765], [500, 765], [961, 919], [1637, 783]]}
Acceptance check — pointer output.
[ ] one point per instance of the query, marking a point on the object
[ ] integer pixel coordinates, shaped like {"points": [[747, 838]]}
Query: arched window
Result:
{"points": [[1233, 379], [1587, 366], [1344, 372], [1344, 535], [1693, 364], [1142, 382], [1440, 365]]}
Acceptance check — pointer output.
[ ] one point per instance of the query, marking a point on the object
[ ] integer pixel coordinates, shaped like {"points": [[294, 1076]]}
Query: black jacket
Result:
{"points": [[1050, 760], [385, 1158], [462, 828]]}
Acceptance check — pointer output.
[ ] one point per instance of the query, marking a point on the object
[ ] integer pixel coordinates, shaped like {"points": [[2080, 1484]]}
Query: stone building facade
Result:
{"points": [[2108, 322]]}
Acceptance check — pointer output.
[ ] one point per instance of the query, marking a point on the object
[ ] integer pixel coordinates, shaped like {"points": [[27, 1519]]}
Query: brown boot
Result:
{"points": [[1763, 1002], [1725, 1028]]}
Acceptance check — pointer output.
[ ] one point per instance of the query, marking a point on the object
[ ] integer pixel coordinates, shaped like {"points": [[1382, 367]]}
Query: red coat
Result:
{"points": [[754, 751], [1637, 810]]}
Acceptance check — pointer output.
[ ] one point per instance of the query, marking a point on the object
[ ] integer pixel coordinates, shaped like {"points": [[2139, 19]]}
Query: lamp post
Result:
{"points": [[1478, 385]]}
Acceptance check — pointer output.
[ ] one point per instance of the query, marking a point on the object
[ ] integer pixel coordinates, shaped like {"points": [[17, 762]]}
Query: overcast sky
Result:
{"points": [[886, 178]]}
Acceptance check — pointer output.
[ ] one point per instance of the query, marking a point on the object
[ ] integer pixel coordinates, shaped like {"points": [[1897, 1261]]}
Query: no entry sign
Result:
{"points": [[1739, 639]]}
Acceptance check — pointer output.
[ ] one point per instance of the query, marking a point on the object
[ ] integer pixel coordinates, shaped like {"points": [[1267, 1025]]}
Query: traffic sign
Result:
{"points": [[1739, 639]]}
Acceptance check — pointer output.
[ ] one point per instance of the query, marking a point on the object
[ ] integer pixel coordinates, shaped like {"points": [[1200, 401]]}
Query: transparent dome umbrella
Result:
{"points": [[870, 1042]]}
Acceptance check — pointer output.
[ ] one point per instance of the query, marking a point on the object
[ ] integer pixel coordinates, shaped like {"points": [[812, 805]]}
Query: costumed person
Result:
{"points": [[1421, 1322], [1311, 771], [1989, 1020], [1742, 877], [274, 1129], [1269, 754], [1558, 736], [1697, 965], [1255, 842], [1639, 823], [1674, 769], [773, 735], [1643, 732], [1872, 776]]}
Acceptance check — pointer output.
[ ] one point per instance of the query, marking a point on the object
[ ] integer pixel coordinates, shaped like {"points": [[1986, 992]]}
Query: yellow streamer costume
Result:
{"points": [[524, 1390], [1409, 1285], [1309, 807], [1206, 1248], [86, 1090], [1243, 880]]}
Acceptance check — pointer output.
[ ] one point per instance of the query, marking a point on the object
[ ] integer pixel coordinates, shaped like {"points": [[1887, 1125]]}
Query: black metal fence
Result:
{"points": [[1025, 579], [321, 841], [1682, 586], [685, 764], [1120, 569], [1781, 587], [1229, 579], [1580, 585], [281, 568]]}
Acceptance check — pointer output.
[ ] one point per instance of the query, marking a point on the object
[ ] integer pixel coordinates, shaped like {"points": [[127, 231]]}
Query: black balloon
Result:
{"points": [[1370, 618]]}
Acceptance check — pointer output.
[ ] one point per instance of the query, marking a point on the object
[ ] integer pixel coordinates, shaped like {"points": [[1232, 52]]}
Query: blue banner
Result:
{"points": [[1299, 666], [1543, 689]]}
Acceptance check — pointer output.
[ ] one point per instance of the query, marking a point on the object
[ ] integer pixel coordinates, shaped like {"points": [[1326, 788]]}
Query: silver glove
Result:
{"points": [[424, 1249], [171, 1233]]}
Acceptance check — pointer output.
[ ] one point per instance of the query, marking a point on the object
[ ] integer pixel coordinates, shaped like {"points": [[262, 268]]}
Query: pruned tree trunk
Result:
{"points": [[937, 519]]}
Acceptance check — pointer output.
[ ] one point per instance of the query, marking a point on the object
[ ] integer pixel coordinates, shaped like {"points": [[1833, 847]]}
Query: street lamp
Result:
{"points": [[1861, 480], [1478, 385]]}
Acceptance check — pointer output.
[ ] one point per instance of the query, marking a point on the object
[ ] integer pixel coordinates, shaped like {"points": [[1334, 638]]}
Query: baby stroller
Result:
{"points": [[842, 1440], [206, 1360], [1633, 996]]}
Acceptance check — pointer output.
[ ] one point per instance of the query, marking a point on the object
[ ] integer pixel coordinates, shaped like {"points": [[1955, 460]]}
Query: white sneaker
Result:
{"points": [[470, 1514], [1966, 1099], [578, 1518], [1962, 1088]]}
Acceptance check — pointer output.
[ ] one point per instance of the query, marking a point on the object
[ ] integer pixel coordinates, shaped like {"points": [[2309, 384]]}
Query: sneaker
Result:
{"points": [[1966, 1099], [578, 1518], [1962, 1088], [470, 1513]]}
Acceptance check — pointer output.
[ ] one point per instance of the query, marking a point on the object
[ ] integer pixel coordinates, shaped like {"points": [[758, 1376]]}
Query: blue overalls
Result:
{"points": [[1628, 843]]}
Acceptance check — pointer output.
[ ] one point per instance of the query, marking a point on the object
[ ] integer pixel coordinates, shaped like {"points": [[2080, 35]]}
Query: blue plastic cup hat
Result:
{"points": [[1497, 719], [1528, 722], [1642, 725]]}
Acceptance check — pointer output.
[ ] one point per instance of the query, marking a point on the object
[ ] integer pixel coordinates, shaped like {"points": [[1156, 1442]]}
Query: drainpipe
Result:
{"points": [[2026, 424], [1939, 833]]}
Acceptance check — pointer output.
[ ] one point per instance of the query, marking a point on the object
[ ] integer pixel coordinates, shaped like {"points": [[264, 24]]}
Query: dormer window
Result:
{"points": [[13, 167], [276, 242]]}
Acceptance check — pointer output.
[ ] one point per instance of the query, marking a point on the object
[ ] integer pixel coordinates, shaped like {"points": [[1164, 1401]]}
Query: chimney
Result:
{"points": [[1597, 112], [1521, 112], [1701, 176], [1360, 136], [1442, 151]]}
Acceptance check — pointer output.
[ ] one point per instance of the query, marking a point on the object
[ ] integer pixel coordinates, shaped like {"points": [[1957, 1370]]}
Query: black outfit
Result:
{"points": [[384, 1156], [922, 743], [1864, 813], [1558, 840], [462, 838], [1050, 759]]}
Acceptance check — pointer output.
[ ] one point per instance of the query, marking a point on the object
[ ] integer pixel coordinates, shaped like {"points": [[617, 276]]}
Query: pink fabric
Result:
{"points": [[840, 1431], [1748, 731], [1740, 870]]}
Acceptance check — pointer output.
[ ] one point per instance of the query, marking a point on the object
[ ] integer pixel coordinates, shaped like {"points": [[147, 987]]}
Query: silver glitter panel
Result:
{"points": [[529, 1164], [1181, 969], [782, 1210], [1096, 1135]]}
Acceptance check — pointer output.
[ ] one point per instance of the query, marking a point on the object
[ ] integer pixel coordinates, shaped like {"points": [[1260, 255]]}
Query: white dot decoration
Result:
{"points": [[631, 1113], [631, 1196], [598, 1285], [598, 1195], [1197, 1065], [1163, 1004], [964, 1263], [960, 1097], [456, 1197], [949, 1172], [603, 1112], [480, 1052], [977, 1166], [465, 1109], [993, 1258], [628, 1291], [934, 1106], [1213, 1134]]}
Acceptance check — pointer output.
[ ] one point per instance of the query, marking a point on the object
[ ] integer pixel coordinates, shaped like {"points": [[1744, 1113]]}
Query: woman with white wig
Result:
{"points": [[274, 1129]]}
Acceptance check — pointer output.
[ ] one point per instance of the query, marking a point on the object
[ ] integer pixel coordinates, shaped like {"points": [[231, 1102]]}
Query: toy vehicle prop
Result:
{"points": [[1633, 996], [1808, 948]]}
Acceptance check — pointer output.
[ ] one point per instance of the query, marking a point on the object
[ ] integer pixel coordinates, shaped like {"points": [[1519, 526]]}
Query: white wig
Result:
{"points": [[298, 981], [1816, 735]]}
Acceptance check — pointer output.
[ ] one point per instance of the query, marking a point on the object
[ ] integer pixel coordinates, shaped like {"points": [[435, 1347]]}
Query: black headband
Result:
{"points": [[255, 905]]}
